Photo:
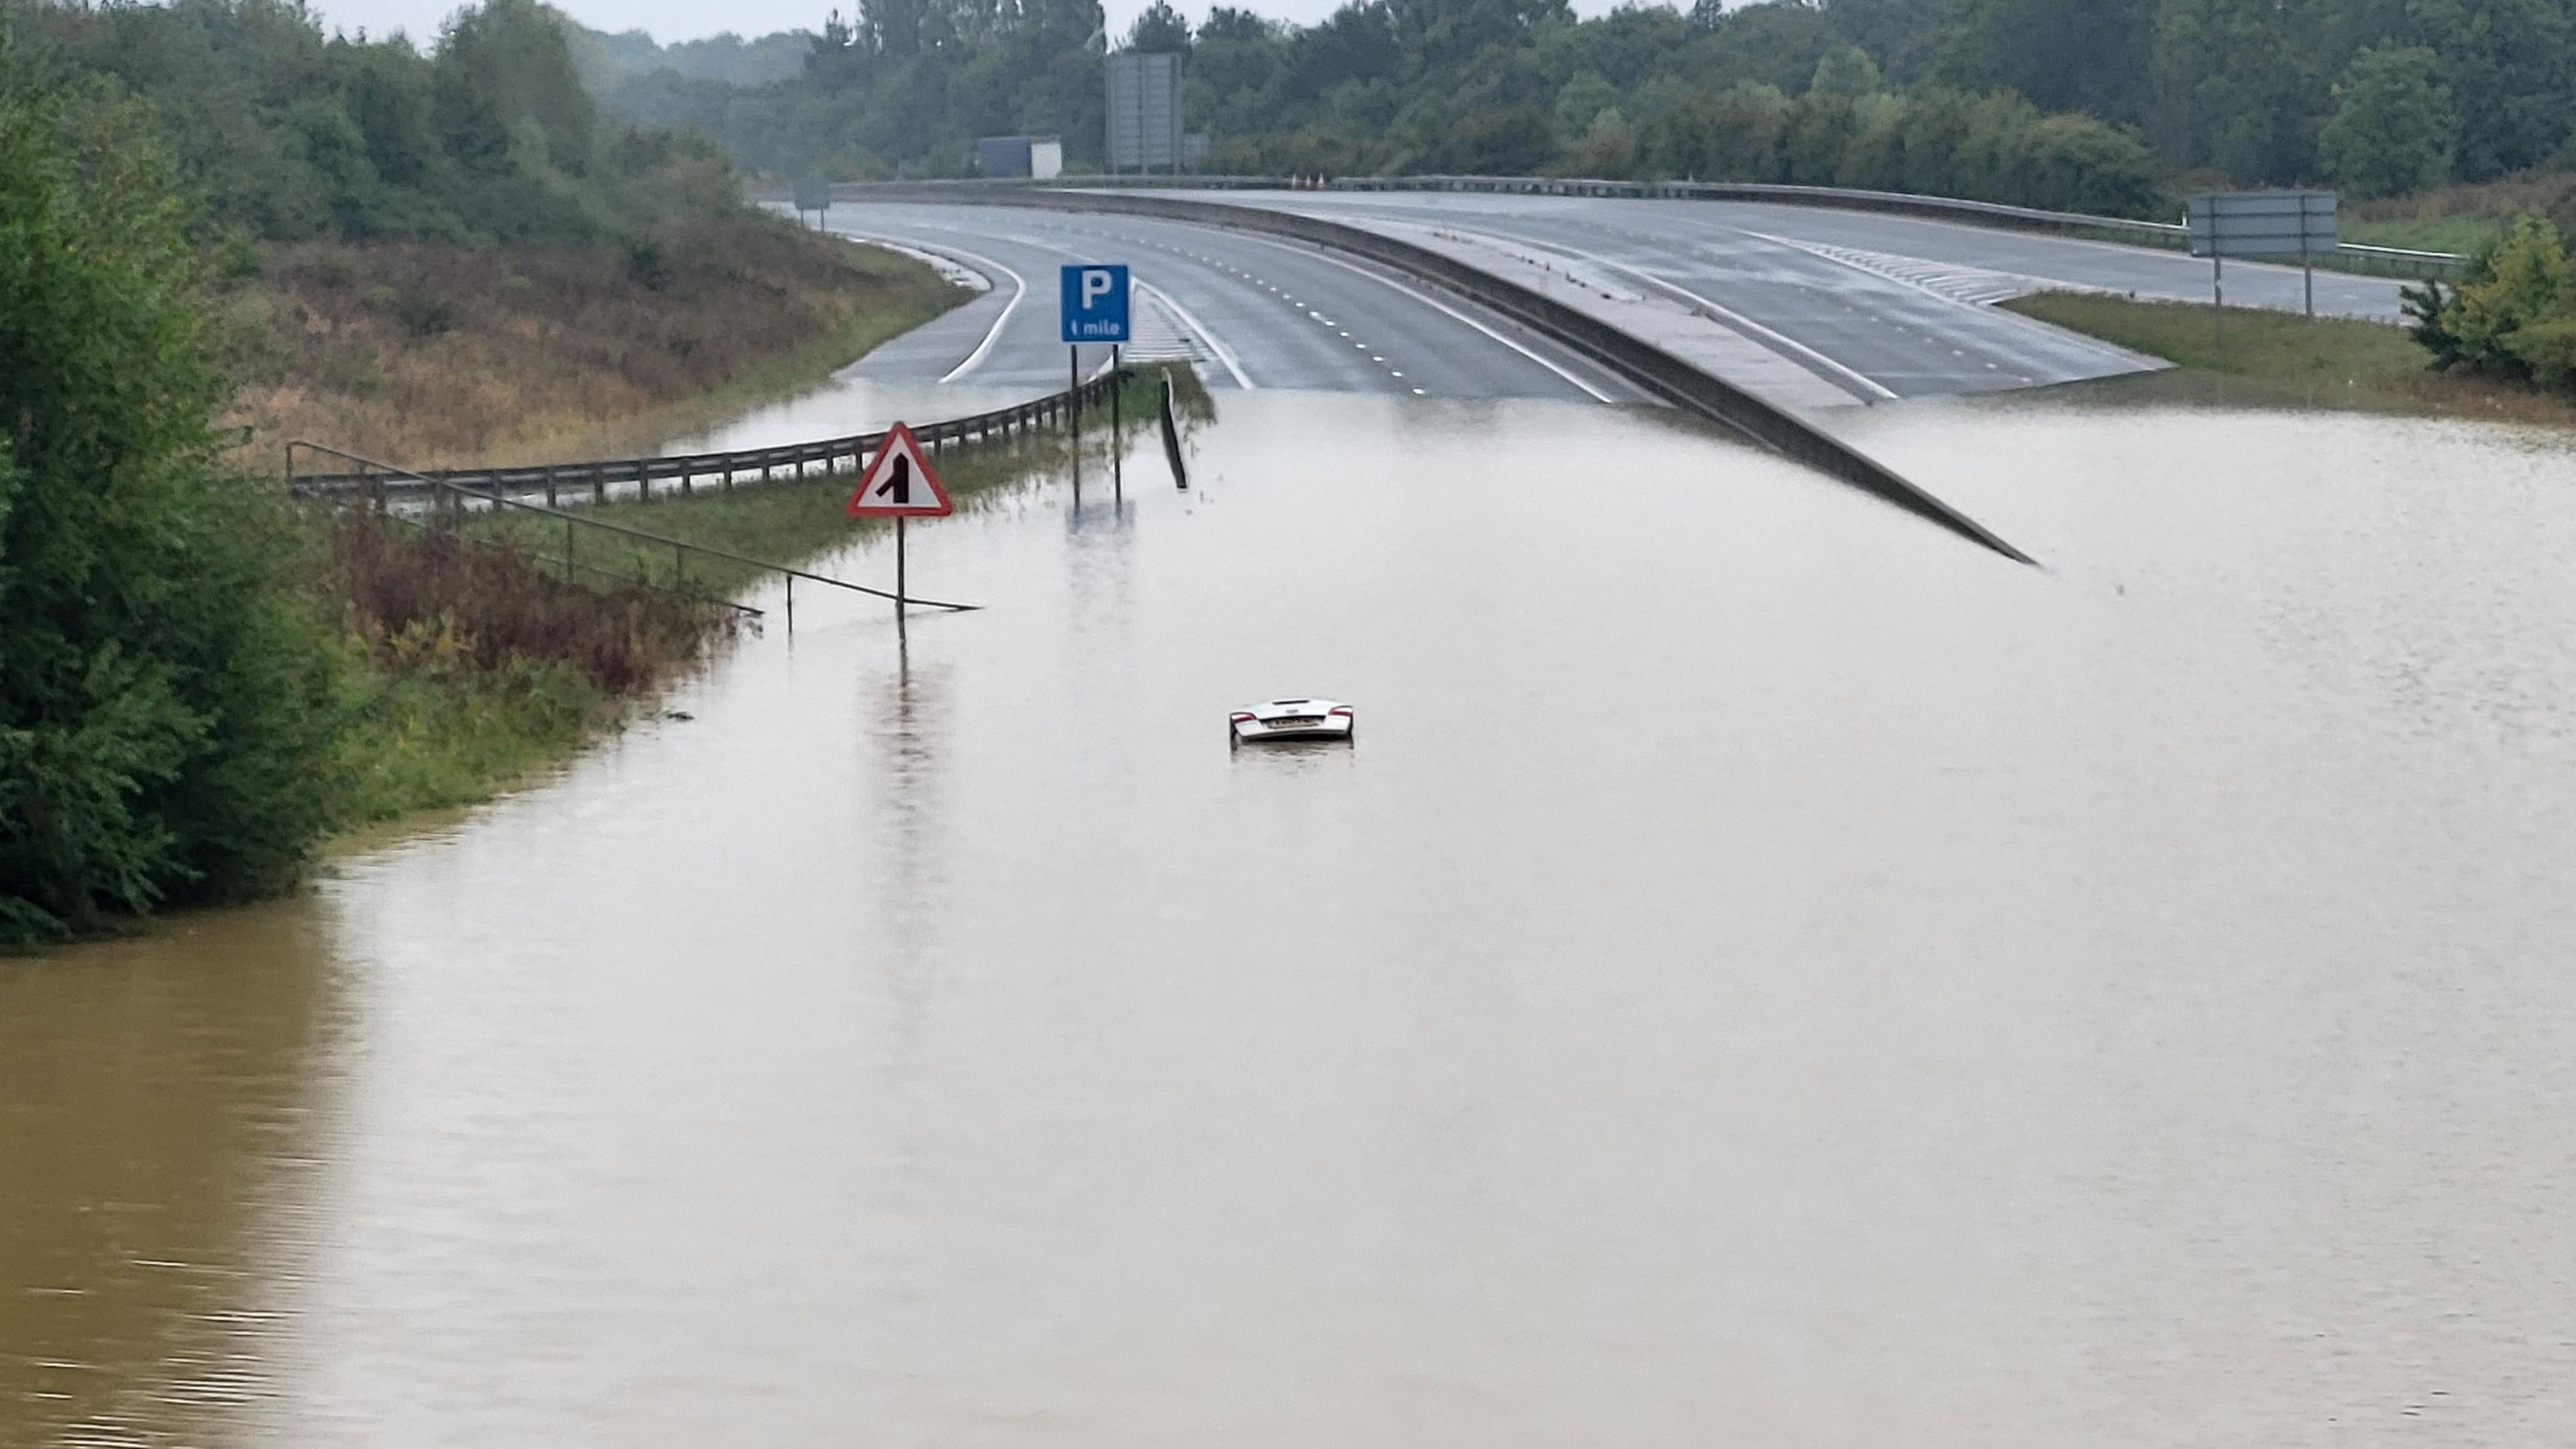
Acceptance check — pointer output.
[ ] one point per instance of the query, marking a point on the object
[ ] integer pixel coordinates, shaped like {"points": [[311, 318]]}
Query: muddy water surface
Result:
{"points": [[1768, 973]]}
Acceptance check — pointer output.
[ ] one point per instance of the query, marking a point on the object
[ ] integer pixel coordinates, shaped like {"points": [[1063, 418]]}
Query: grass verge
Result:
{"points": [[474, 663], [2315, 361], [469, 665]]}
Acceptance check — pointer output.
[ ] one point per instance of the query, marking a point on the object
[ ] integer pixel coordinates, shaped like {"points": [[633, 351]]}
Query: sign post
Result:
{"points": [[1091, 307], [815, 195], [2223, 224], [899, 484]]}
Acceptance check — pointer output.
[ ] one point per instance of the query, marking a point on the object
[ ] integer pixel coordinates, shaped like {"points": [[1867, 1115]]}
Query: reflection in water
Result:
{"points": [[1767, 972], [906, 869]]}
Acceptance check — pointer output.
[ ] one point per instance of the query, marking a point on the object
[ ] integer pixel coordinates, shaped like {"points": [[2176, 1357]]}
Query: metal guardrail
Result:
{"points": [[2164, 234], [687, 471], [2406, 256], [462, 496], [1651, 368]]}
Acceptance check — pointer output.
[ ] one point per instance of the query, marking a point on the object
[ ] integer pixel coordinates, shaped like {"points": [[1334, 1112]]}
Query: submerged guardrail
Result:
{"points": [[687, 471], [1652, 369], [453, 492]]}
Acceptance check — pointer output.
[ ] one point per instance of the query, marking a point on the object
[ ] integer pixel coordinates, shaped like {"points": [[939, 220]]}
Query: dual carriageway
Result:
{"points": [[1813, 309]]}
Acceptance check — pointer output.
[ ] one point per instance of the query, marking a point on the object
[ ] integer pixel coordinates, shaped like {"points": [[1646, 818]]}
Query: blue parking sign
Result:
{"points": [[1095, 304]]}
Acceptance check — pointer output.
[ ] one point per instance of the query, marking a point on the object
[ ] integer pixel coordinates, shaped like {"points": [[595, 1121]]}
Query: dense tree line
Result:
{"points": [[606, 59], [905, 86], [2090, 103], [281, 133]]}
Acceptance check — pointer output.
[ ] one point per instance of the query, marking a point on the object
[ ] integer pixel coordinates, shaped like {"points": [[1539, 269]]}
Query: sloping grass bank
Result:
{"points": [[467, 668], [437, 355], [2316, 361]]}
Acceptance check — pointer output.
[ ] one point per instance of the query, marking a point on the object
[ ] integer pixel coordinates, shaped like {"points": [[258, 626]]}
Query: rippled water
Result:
{"points": [[1768, 973]]}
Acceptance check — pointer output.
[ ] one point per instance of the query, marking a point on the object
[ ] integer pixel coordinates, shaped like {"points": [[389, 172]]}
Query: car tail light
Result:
{"points": [[1245, 718], [1344, 712]]}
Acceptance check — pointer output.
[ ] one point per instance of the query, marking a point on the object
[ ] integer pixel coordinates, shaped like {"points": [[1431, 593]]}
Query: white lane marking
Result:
{"points": [[2060, 334], [984, 348], [1849, 378], [1223, 354], [1445, 309]]}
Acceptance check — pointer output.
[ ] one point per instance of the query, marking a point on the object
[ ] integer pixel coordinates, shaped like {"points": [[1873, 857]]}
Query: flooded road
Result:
{"points": [[1768, 973]]}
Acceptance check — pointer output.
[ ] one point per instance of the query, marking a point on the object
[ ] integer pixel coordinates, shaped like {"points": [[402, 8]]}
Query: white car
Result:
{"points": [[1292, 719]]}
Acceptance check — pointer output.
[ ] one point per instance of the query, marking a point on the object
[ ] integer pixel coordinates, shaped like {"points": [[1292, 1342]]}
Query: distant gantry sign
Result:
{"points": [[1144, 112]]}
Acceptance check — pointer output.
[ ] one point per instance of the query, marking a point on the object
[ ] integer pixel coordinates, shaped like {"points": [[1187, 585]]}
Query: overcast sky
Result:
{"points": [[669, 20]]}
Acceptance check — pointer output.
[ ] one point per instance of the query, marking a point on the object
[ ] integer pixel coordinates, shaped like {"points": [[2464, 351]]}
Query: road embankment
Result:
{"points": [[2303, 361], [435, 355]]}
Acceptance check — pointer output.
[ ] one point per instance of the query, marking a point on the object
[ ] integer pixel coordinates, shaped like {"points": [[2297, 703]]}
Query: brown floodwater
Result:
{"points": [[1767, 973]]}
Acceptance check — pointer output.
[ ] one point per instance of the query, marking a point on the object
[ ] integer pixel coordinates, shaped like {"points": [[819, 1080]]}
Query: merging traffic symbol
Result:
{"points": [[899, 483]]}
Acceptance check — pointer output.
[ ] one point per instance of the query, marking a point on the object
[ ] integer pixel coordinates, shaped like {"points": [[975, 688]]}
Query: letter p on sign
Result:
{"points": [[1094, 304]]}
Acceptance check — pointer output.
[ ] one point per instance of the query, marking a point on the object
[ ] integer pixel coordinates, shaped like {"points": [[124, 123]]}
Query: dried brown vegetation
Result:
{"points": [[489, 604], [435, 354]]}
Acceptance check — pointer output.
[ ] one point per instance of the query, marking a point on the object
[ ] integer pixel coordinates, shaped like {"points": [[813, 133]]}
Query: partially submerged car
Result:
{"points": [[1292, 719]]}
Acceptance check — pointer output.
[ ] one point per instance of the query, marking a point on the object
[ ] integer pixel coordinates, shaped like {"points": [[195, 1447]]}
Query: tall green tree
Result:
{"points": [[1848, 72], [2094, 57], [2236, 85], [1159, 29], [506, 64], [2393, 123], [2508, 66], [165, 693]]}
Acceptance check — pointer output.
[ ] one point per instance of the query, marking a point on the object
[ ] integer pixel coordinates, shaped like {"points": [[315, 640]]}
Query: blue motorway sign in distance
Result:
{"points": [[1095, 304]]}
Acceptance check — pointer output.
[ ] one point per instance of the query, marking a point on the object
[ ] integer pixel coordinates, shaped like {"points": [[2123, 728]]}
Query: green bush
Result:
{"points": [[1934, 142], [2513, 316], [165, 690]]}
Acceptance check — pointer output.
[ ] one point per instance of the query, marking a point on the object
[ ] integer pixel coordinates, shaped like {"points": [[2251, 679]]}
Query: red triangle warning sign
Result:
{"points": [[899, 483]]}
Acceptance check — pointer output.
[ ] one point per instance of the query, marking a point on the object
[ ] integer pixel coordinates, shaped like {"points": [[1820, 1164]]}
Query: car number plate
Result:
{"points": [[1293, 722]]}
